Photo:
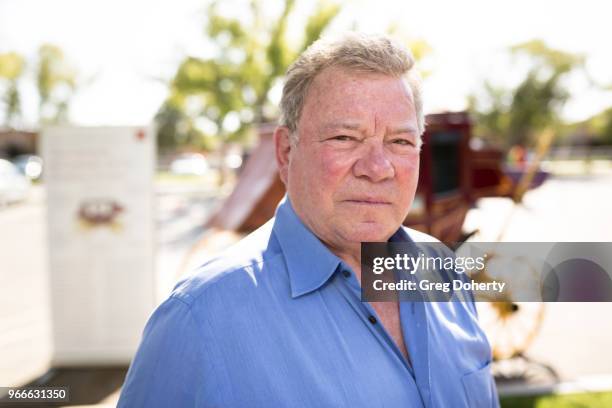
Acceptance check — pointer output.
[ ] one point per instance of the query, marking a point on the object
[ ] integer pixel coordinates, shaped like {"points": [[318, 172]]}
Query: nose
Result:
{"points": [[374, 164]]}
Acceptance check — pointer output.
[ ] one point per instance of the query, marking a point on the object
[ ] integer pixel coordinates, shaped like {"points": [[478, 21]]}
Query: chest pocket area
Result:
{"points": [[480, 388]]}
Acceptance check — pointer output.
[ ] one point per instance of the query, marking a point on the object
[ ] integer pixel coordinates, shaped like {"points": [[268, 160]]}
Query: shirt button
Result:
{"points": [[372, 319], [346, 274]]}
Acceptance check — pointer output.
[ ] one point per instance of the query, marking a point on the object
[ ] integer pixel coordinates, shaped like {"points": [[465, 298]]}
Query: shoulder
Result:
{"points": [[236, 270]]}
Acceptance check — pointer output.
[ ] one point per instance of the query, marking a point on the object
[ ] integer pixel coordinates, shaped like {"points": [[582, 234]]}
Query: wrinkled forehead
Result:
{"points": [[339, 93], [338, 77]]}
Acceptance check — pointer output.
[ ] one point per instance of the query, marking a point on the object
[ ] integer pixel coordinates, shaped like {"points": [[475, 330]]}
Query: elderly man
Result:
{"points": [[277, 320]]}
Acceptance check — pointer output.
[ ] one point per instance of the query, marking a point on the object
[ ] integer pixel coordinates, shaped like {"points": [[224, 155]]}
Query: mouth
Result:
{"points": [[368, 201]]}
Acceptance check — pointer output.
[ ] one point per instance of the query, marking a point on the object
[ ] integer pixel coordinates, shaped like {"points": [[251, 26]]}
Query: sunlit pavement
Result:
{"points": [[25, 326]]}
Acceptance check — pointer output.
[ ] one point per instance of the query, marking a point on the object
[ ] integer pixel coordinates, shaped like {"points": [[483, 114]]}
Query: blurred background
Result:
{"points": [[518, 149]]}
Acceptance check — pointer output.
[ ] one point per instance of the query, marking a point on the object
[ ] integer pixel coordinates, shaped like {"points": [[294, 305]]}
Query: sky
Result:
{"points": [[125, 50]]}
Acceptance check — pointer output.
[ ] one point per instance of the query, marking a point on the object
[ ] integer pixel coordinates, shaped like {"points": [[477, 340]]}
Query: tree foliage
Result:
{"points": [[514, 116], [12, 67], [606, 128], [231, 89], [56, 82], [597, 128]]}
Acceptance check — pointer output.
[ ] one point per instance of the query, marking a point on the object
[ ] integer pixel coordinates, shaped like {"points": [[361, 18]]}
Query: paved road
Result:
{"points": [[24, 298]]}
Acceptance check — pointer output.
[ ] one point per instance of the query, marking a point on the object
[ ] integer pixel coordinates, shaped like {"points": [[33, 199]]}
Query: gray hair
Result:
{"points": [[355, 52]]}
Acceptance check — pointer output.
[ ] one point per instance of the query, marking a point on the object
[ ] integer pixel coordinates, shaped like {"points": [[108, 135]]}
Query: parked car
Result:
{"points": [[30, 165], [189, 164], [14, 186]]}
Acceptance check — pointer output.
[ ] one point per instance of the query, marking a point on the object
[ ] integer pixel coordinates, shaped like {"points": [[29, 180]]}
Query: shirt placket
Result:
{"points": [[349, 287], [413, 316]]}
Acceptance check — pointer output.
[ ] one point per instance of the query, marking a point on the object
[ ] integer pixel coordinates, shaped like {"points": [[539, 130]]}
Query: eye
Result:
{"points": [[343, 138], [403, 142]]}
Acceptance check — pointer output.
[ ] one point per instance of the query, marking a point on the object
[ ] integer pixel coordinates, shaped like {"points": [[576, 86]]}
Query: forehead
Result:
{"points": [[339, 93]]}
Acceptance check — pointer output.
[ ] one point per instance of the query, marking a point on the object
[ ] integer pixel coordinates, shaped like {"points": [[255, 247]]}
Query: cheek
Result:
{"points": [[317, 174], [407, 168], [326, 171], [333, 167]]}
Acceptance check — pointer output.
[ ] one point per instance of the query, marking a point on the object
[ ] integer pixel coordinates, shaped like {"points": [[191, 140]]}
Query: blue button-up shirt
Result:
{"points": [[278, 321]]}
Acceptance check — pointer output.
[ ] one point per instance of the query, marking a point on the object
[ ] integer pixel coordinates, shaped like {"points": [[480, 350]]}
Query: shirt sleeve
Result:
{"points": [[167, 368]]}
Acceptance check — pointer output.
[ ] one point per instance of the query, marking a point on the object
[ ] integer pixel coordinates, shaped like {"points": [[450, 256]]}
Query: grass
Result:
{"points": [[583, 400]]}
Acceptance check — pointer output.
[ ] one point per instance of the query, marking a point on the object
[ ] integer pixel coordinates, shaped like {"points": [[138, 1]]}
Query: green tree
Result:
{"points": [[56, 82], [11, 70], [606, 133], [230, 91], [176, 127], [515, 116], [601, 126]]}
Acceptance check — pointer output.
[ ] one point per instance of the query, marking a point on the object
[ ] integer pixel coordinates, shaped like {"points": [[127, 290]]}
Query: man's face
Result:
{"points": [[353, 173]]}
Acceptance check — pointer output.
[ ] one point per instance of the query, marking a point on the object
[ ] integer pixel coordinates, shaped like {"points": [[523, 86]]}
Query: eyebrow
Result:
{"points": [[357, 127], [403, 129]]}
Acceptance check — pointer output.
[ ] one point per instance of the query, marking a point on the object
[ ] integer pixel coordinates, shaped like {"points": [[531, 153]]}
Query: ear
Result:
{"points": [[282, 147]]}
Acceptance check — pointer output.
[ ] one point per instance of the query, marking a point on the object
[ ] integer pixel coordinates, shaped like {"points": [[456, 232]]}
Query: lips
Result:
{"points": [[368, 201]]}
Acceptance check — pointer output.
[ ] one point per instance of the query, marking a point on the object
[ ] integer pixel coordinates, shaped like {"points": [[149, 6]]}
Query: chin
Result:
{"points": [[370, 232]]}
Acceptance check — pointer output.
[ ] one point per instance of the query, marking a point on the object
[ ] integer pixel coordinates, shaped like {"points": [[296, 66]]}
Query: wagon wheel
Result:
{"points": [[510, 325]]}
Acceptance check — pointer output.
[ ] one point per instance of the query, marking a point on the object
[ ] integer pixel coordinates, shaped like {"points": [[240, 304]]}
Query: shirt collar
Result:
{"points": [[400, 236], [309, 261]]}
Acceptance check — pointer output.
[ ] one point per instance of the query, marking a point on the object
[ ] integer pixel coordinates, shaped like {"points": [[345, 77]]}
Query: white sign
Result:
{"points": [[99, 184]]}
